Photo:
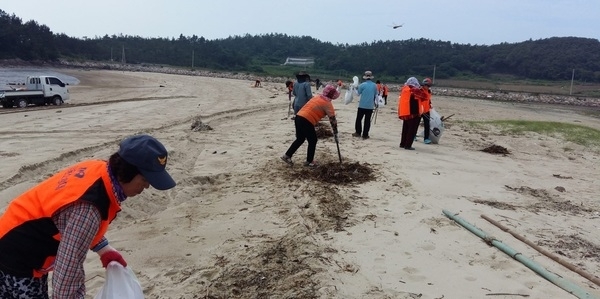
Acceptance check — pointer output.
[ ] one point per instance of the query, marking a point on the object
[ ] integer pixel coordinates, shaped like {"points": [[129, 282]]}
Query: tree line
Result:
{"points": [[544, 59]]}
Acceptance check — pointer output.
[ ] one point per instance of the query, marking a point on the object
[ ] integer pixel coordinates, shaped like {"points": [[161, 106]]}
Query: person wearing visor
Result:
{"points": [[51, 226]]}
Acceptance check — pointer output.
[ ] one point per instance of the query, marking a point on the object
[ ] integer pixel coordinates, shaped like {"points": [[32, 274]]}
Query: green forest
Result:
{"points": [[551, 59]]}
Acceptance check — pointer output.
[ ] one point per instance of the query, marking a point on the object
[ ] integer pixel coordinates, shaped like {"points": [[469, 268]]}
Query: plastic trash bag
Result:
{"points": [[349, 96], [380, 101], [120, 283], [351, 92], [436, 127], [355, 81]]}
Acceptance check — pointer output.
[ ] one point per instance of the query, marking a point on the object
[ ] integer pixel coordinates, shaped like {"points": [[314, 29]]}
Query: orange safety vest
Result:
{"points": [[316, 108], [29, 238], [385, 90], [379, 89], [426, 101], [409, 102]]}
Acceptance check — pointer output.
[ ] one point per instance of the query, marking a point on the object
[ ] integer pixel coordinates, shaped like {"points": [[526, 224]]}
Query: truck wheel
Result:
{"points": [[22, 103], [57, 101]]}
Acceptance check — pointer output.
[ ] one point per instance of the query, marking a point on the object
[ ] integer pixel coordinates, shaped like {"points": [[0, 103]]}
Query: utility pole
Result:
{"points": [[111, 57], [433, 80], [123, 55], [192, 60], [572, 77]]}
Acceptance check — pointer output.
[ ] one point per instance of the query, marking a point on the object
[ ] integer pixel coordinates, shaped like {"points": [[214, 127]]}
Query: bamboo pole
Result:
{"points": [[568, 265], [564, 284]]}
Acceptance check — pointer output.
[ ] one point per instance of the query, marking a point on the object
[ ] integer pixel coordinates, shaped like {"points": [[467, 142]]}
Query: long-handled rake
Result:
{"points": [[374, 119], [337, 143]]}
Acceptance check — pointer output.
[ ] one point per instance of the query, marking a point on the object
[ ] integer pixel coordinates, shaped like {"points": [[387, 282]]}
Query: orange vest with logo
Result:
{"points": [[317, 108], [29, 238]]}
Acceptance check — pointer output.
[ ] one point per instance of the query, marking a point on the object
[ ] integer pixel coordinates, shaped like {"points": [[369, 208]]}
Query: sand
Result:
{"points": [[242, 224]]}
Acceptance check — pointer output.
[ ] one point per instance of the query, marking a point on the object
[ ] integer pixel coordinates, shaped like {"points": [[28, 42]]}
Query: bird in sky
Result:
{"points": [[396, 26]]}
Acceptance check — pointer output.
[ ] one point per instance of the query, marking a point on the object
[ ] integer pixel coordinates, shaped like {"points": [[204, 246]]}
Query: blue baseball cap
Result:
{"points": [[150, 157]]}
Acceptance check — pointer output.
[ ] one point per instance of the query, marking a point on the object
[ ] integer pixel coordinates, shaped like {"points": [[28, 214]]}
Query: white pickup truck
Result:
{"points": [[38, 90]]}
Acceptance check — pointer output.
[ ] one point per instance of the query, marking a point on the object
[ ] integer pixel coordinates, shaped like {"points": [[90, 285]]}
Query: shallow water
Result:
{"points": [[19, 76]]}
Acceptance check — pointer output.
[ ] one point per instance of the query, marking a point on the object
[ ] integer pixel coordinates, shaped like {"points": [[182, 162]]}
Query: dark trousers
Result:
{"points": [[426, 126], [366, 113], [385, 99], [304, 131], [409, 131]]}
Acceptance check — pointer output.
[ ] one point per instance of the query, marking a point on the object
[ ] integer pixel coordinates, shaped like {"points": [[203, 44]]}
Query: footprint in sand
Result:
{"points": [[195, 239]]}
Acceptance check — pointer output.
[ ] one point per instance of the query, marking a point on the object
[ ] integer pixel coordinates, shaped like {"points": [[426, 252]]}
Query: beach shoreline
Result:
{"points": [[473, 93]]}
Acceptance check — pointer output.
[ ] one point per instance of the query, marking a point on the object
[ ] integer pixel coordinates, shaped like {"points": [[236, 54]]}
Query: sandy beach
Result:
{"points": [[243, 224]]}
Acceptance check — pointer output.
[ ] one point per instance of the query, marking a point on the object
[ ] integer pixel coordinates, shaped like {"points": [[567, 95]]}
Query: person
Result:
{"points": [[306, 120], [257, 83], [386, 90], [426, 85], [409, 111], [290, 86], [340, 84], [318, 83], [367, 103], [51, 226], [301, 91]]}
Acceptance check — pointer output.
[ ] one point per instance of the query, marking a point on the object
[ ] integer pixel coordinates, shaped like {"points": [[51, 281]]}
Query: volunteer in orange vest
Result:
{"points": [[385, 93], [306, 120], [409, 111], [425, 85], [382, 90], [52, 226]]}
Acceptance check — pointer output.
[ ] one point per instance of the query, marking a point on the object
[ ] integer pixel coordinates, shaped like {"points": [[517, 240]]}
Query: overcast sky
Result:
{"points": [[477, 22]]}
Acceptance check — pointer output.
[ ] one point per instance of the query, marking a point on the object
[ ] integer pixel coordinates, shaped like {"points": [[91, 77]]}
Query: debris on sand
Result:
{"points": [[496, 149], [340, 174], [323, 131], [197, 125]]}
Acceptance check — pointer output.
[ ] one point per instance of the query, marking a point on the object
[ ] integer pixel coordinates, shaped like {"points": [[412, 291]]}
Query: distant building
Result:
{"points": [[299, 61]]}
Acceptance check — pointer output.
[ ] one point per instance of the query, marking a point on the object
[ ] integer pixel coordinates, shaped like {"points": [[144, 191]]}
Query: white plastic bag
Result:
{"points": [[120, 283], [436, 126], [351, 92], [380, 101], [355, 81], [349, 96]]}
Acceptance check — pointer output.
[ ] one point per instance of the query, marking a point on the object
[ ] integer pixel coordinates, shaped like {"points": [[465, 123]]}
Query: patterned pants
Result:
{"points": [[12, 287]]}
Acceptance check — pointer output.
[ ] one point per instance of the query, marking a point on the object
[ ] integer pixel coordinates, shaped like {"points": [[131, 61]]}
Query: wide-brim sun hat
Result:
{"points": [[368, 75]]}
